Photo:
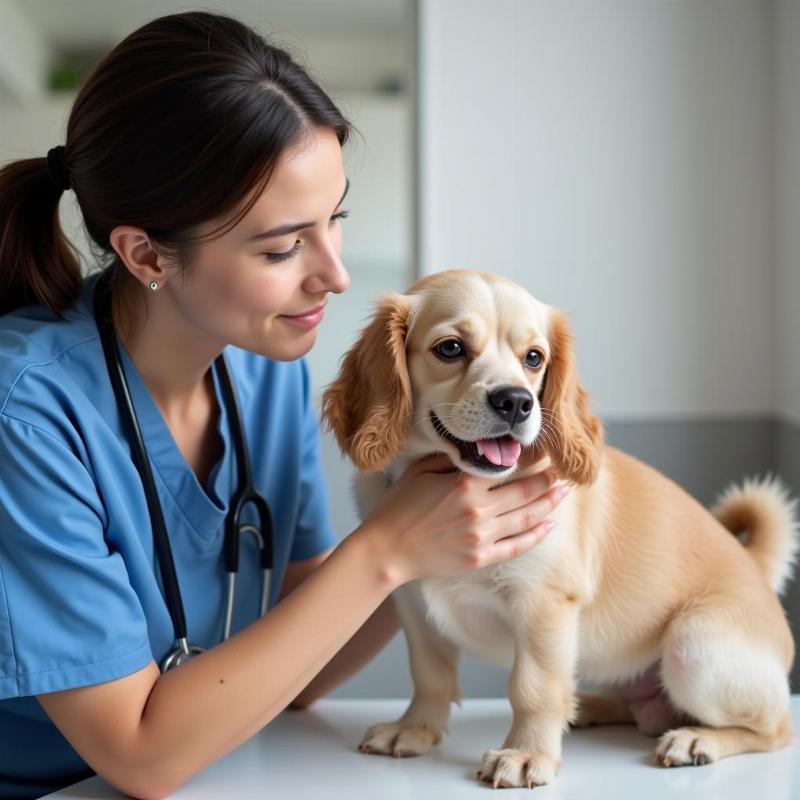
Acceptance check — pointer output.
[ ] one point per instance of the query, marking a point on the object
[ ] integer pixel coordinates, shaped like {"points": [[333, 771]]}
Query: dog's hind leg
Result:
{"points": [[731, 681], [698, 745]]}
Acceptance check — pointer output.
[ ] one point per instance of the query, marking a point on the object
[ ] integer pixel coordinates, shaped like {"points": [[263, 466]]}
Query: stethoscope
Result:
{"points": [[246, 492]]}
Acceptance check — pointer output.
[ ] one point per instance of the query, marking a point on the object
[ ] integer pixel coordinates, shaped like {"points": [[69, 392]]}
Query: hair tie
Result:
{"points": [[58, 168]]}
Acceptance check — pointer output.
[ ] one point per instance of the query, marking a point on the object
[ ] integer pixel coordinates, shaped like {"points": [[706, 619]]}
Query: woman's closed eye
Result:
{"points": [[298, 245]]}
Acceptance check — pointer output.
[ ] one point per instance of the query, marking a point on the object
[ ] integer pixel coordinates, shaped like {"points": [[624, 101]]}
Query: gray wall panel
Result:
{"points": [[786, 448], [702, 456]]}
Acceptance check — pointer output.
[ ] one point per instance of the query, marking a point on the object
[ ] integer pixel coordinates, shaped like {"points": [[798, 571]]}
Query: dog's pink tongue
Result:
{"points": [[503, 451]]}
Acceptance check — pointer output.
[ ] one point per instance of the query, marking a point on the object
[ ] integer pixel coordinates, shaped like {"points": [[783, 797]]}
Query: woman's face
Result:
{"points": [[244, 285]]}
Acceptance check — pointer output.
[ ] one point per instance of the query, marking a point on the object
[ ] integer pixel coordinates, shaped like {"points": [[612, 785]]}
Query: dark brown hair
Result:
{"points": [[181, 121]]}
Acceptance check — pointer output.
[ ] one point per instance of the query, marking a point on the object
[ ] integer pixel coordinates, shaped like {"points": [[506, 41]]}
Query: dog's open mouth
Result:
{"points": [[497, 454]]}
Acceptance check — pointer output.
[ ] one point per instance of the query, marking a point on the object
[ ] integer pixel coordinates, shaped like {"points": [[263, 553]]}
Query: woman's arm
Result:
{"points": [[365, 644], [148, 733]]}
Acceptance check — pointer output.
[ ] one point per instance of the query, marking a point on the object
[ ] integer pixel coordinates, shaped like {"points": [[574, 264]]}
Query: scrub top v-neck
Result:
{"points": [[205, 507], [81, 600]]}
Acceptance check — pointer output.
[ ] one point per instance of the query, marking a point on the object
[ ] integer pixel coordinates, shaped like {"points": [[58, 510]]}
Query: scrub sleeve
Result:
{"points": [[68, 613]]}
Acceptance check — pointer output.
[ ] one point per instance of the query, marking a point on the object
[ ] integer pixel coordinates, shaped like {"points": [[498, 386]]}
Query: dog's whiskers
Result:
{"points": [[550, 436]]}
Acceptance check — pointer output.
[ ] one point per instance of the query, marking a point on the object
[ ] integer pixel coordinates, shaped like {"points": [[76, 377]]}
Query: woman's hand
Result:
{"points": [[436, 520]]}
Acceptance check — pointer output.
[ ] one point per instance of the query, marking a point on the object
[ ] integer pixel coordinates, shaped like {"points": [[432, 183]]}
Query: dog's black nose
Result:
{"points": [[511, 403]]}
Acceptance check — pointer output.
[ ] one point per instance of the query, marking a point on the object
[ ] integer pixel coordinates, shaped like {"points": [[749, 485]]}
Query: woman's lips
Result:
{"points": [[308, 320]]}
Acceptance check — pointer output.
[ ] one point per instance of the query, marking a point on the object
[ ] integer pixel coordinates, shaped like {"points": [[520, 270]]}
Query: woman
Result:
{"points": [[208, 169]]}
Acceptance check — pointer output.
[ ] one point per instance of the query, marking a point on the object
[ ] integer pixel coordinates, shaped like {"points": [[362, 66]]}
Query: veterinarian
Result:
{"points": [[140, 406]]}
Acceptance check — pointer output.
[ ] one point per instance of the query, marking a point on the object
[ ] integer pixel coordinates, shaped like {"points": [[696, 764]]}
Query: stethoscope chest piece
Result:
{"points": [[180, 655]]}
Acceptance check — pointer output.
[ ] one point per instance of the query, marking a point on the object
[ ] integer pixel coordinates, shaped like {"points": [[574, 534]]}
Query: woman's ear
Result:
{"points": [[571, 434], [368, 407]]}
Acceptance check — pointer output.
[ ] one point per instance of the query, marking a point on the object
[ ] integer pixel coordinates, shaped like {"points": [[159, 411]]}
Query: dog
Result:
{"points": [[639, 590]]}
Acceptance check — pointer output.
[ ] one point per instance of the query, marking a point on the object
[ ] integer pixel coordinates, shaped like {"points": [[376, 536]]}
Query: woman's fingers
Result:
{"points": [[520, 492], [530, 515], [519, 543]]}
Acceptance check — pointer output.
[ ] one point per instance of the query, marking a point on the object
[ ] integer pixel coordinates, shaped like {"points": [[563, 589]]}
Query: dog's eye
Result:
{"points": [[450, 348], [533, 359]]}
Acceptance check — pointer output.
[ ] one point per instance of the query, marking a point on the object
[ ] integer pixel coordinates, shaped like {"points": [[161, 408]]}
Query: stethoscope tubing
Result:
{"points": [[245, 493], [169, 577], [266, 580]]}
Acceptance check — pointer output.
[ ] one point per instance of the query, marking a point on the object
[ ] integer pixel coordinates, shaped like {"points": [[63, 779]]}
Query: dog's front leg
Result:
{"points": [[541, 691], [434, 669]]}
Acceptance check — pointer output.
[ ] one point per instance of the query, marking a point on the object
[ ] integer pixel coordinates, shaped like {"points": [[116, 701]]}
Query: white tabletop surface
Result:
{"points": [[313, 754]]}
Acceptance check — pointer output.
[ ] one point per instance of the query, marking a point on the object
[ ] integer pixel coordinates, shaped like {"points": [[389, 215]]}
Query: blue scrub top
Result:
{"points": [[80, 590]]}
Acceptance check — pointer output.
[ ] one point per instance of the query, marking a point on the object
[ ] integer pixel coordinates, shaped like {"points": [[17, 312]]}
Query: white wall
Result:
{"points": [[376, 238], [614, 158], [23, 56], [787, 210], [354, 61]]}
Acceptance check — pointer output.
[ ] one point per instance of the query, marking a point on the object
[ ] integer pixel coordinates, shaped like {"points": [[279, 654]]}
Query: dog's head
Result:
{"points": [[470, 364]]}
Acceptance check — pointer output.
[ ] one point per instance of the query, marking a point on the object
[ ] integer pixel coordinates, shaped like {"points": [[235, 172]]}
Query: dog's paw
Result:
{"points": [[510, 768], [686, 746], [399, 740]]}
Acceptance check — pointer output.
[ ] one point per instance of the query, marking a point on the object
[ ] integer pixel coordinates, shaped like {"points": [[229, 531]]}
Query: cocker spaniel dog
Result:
{"points": [[639, 590]]}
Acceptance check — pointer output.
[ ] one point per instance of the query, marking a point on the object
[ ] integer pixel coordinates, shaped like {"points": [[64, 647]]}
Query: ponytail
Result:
{"points": [[38, 264]]}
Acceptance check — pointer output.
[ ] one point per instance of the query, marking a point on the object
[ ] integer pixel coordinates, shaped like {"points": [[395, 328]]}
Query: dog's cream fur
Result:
{"points": [[638, 589]]}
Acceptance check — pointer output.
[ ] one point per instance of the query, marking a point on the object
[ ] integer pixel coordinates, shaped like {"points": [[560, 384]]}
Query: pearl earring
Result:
{"points": [[153, 285]]}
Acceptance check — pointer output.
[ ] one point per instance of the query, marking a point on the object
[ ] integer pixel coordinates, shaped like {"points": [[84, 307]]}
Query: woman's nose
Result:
{"points": [[329, 272]]}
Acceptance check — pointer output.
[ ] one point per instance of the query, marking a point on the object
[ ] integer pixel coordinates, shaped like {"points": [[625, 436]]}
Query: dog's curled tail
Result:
{"points": [[765, 511]]}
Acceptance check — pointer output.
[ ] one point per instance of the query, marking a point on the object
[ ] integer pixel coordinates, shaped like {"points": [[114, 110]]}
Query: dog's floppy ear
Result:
{"points": [[368, 407], [571, 434]]}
